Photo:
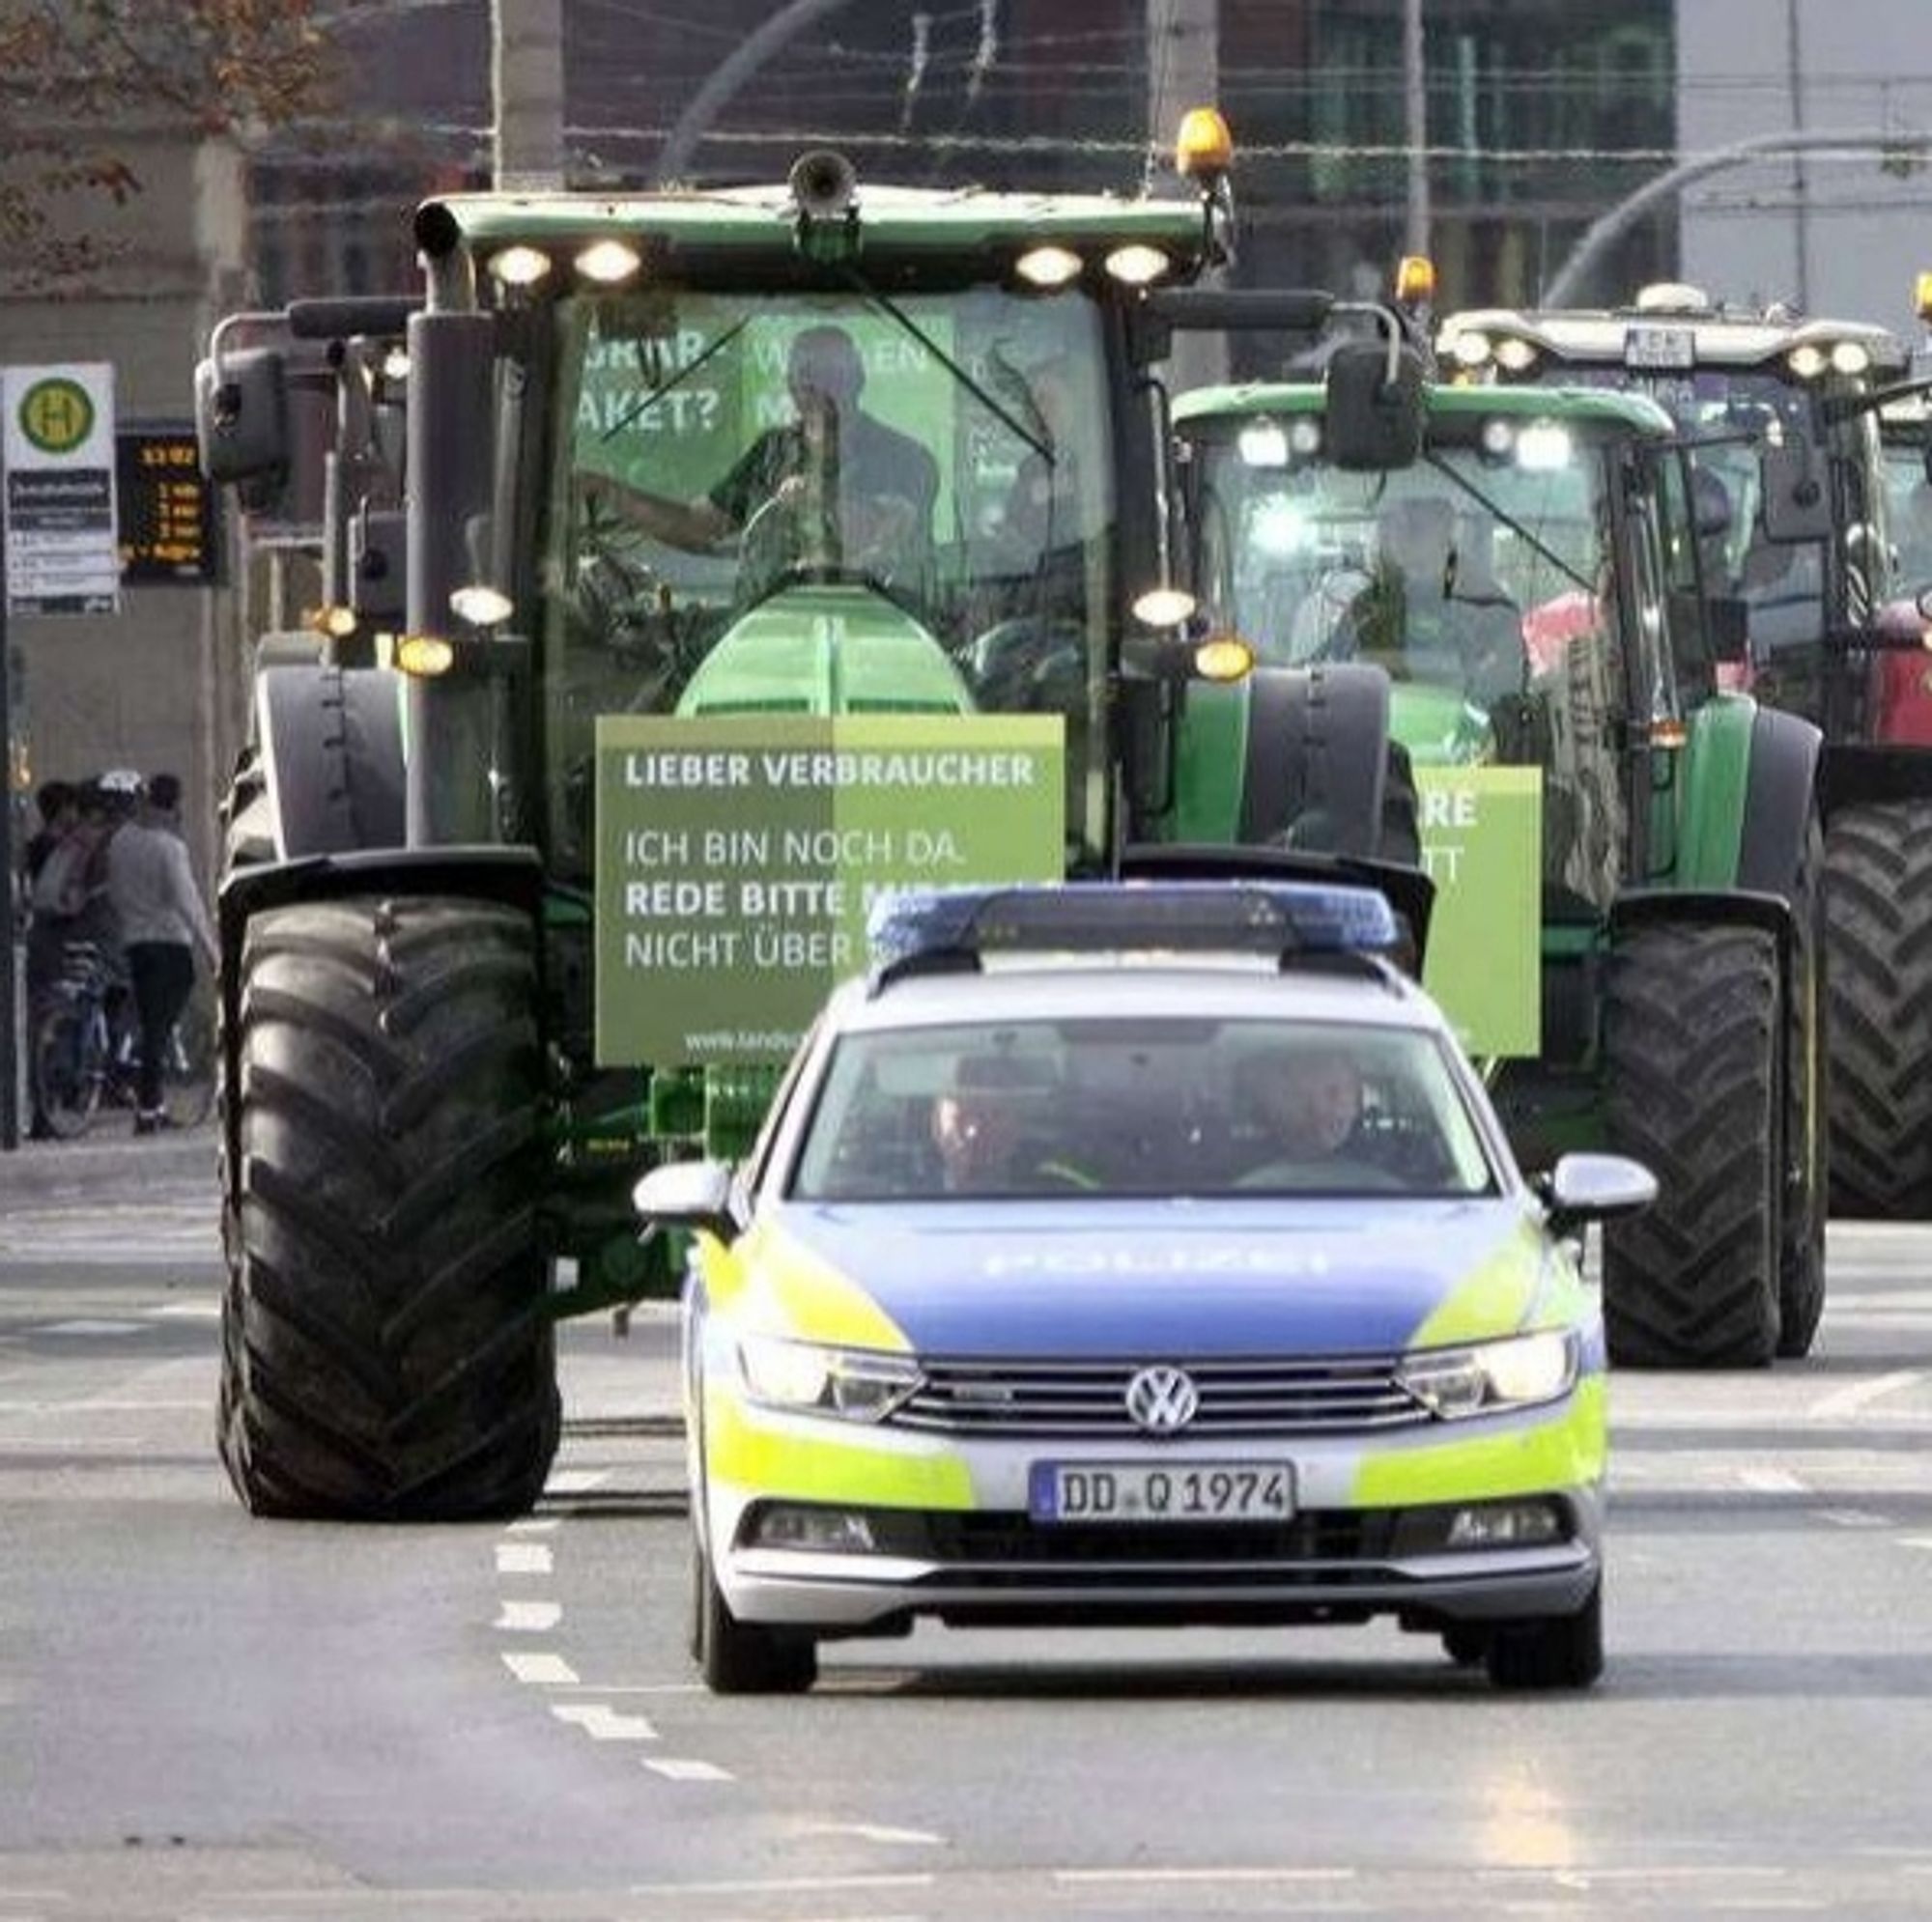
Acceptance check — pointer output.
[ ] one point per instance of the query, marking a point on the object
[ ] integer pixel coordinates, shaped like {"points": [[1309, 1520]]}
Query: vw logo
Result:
{"points": [[1162, 1400]]}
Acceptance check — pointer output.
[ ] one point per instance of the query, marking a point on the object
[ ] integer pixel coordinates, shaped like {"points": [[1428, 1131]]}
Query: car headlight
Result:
{"points": [[1489, 1375], [856, 1385]]}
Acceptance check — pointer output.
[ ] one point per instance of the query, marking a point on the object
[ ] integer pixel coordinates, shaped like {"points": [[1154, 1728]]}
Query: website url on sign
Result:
{"points": [[743, 1042]]}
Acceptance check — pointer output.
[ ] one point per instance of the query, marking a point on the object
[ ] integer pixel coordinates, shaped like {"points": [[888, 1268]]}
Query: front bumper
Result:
{"points": [[953, 1538]]}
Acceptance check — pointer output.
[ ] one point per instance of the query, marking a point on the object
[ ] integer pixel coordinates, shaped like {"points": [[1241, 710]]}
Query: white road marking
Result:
{"points": [[576, 1481], [540, 1671], [690, 1771], [532, 1525], [1858, 1395], [522, 1557], [1914, 1540], [1150, 1876], [785, 1885], [187, 1310], [89, 1328], [602, 1723], [529, 1617], [1769, 1482], [93, 1407], [1854, 1519], [874, 1831]]}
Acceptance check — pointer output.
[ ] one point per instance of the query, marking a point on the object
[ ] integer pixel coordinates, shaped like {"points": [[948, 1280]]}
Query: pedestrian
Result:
{"points": [[162, 921], [56, 865], [58, 804]]}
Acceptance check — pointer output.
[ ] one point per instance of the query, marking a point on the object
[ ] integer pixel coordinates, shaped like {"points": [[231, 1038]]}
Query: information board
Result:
{"points": [[58, 451], [739, 855], [167, 514]]}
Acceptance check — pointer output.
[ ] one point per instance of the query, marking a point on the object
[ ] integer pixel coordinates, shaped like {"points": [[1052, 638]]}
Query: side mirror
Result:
{"points": [[690, 1195], [1583, 1188], [242, 415], [1373, 421], [1728, 626], [1797, 503]]}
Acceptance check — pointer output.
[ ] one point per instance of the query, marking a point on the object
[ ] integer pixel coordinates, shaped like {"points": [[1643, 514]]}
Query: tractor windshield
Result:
{"points": [[830, 504], [1480, 577], [1466, 576]]}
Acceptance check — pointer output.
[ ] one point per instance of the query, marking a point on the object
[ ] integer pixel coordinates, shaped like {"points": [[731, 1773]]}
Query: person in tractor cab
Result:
{"points": [[1430, 611], [834, 488]]}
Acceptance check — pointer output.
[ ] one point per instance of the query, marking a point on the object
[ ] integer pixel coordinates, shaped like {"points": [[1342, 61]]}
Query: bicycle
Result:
{"points": [[86, 1049]]}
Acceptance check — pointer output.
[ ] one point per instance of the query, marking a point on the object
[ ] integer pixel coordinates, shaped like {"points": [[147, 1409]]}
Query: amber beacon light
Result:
{"points": [[1204, 149]]}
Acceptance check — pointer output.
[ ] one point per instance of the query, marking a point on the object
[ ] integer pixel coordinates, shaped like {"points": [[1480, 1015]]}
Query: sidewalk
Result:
{"points": [[110, 1155]]}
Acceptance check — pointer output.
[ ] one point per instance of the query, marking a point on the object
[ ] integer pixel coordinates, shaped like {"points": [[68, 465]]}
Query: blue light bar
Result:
{"points": [[1280, 917]]}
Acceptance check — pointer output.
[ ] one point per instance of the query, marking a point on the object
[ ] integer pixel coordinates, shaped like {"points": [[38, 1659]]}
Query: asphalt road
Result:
{"points": [[207, 1716]]}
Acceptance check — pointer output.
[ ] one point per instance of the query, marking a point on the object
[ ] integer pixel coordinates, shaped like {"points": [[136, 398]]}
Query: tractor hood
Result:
{"points": [[827, 650]]}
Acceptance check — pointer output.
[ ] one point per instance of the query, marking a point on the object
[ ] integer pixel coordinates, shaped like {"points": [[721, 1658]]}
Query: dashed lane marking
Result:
{"points": [[602, 1723], [1769, 1482], [522, 1557], [576, 1481], [187, 1310], [528, 1617], [532, 1525], [86, 1327], [677, 1770], [1848, 1400], [539, 1671], [1914, 1540], [1854, 1519], [874, 1831]]}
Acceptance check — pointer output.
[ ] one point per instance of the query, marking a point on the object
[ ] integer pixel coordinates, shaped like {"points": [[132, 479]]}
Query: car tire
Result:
{"points": [[1694, 1064], [740, 1657], [1878, 905], [1551, 1651]]}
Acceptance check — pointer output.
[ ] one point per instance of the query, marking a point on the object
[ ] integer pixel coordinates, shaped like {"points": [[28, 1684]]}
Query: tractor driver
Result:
{"points": [[835, 487]]}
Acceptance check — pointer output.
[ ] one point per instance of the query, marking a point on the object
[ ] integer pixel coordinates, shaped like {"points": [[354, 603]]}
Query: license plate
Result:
{"points": [[1132, 1491], [1664, 348]]}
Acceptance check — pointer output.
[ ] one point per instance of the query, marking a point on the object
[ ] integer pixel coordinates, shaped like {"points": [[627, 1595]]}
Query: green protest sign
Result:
{"points": [[738, 857], [1482, 844]]}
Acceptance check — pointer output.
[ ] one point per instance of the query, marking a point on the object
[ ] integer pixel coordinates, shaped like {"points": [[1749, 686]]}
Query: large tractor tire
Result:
{"points": [[1878, 916], [387, 1354], [1807, 1082], [1694, 1054]]}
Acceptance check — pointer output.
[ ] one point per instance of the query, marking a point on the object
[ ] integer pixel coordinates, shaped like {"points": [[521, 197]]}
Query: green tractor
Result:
{"points": [[1801, 548], [763, 550], [1627, 858]]}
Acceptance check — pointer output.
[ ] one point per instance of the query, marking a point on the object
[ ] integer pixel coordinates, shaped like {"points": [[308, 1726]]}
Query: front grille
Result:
{"points": [[1333, 1395], [991, 1538]]}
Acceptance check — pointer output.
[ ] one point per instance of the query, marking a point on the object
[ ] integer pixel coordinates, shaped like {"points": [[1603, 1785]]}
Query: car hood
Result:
{"points": [[1120, 1279]]}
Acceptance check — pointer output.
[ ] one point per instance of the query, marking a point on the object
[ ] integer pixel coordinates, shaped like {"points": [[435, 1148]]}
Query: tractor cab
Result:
{"points": [[1791, 504]]}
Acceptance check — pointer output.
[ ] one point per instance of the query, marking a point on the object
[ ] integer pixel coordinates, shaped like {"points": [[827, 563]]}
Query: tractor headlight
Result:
{"points": [[854, 1385], [1488, 1376]]}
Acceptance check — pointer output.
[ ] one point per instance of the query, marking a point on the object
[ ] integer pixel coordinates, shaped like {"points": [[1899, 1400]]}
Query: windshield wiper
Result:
{"points": [[677, 380], [897, 314], [1508, 519]]}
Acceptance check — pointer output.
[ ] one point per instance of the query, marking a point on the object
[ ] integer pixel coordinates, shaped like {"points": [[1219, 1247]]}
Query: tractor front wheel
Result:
{"points": [[1694, 1048], [388, 1352], [1878, 919]]}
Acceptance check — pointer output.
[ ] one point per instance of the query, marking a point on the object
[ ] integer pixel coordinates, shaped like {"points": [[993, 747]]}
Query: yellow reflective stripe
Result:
{"points": [[788, 1290], [1522, 1461], [1064, 1171], [833, 1468], [1491, 1299]]}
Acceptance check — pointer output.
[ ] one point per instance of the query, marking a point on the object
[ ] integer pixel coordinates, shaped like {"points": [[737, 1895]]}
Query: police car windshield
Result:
{"points": [[1150, 1107]]}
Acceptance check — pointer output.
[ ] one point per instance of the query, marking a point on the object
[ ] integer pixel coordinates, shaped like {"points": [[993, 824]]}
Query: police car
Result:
{"points": [[1140, 1253]]}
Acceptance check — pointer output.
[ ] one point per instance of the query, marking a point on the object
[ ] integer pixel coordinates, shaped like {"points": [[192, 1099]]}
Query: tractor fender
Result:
{"points": [[332, 747], [1781, 801], [1317, 752], [1873, 775], [1749, 791], [511, 875]]}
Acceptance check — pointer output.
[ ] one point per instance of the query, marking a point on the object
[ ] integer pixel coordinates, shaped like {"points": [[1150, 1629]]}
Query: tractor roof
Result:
{"points": [[1609, 408], [763, 219]]}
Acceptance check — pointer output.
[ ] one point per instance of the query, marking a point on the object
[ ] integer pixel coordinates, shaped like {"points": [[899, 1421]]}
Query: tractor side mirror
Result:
{"points": [[1374, 416], [242, 416], [1797, 503]]}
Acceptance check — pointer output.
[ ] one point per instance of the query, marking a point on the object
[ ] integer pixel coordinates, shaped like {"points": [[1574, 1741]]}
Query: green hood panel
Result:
{"points": [[1437, 726], [827, 651]]}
